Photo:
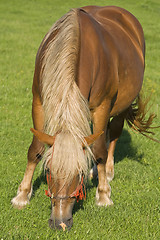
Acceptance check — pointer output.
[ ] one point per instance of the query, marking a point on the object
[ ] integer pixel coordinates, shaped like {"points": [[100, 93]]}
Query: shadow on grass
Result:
{"points": [[78, 206], [39, 180], [125, 148]]}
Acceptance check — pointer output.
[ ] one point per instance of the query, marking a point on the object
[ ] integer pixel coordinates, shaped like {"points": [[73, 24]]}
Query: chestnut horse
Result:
{"points": [[89, 70]]}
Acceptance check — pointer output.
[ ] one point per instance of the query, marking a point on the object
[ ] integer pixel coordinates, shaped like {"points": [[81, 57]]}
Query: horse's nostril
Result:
{"points": [[51, 223], [70, 222]]}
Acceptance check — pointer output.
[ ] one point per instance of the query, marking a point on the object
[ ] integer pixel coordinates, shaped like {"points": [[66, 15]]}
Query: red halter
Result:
{"points": [[79, 193]]}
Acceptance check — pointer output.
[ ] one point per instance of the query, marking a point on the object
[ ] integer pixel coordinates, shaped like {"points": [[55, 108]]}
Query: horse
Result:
{"points": [[88, 75]]}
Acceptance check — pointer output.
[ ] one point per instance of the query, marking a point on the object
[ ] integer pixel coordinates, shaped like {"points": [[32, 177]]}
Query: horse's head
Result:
{"points": [[63, 196], [63, 191]]}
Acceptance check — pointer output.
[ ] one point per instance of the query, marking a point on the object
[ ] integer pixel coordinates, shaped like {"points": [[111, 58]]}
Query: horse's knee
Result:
{"points": [[100, 150], [35, 151]]}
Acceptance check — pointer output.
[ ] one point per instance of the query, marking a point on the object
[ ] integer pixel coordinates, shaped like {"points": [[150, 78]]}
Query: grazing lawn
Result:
{"points": [[136, 186]]}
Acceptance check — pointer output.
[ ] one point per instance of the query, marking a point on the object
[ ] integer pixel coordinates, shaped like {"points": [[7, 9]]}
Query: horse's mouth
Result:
{"points": [[60, 225], [63, 225]]}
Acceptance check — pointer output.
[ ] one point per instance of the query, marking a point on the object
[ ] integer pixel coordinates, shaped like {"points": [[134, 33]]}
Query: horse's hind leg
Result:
{"points": [[114, 131], [35, 153]]}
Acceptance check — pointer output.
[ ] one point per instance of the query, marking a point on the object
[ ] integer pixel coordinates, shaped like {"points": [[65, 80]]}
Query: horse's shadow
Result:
{"points": [[124, 149], [39, 180]]}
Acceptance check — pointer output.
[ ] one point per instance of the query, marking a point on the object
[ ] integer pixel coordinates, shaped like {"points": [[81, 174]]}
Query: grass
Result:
{"points": [[136, 187]]}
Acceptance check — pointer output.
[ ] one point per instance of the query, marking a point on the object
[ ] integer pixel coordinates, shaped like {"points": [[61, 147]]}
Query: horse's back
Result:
{"points": [[117, 60], [118, 16]]}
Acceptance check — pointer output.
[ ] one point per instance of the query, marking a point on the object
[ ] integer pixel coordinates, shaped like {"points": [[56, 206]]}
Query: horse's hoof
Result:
{"points": [[104, 200], [104, 203], [21, 200]]}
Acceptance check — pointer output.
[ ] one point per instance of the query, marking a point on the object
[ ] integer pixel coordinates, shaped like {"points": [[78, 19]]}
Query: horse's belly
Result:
{"points": [[125, 96]]}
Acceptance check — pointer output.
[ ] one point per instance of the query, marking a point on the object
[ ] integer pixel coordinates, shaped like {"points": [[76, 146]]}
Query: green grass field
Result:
{"points": [[136, 186]]}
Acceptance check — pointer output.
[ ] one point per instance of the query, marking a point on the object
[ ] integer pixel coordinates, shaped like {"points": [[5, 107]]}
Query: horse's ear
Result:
{"points": [[92, 138], [43, 137]]}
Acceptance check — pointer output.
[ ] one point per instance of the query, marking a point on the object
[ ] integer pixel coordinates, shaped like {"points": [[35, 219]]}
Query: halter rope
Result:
{"points": [[79, 193]]}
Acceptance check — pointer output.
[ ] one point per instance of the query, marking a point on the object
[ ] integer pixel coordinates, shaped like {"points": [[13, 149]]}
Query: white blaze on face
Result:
{"points": [[60, 209]]}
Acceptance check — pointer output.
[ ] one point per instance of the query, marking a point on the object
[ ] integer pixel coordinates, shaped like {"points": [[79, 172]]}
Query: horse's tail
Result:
{"points": [[136, 118]]}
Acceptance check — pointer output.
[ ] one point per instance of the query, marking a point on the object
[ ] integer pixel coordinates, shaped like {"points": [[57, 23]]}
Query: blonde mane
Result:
{"points": [[66, 110]]}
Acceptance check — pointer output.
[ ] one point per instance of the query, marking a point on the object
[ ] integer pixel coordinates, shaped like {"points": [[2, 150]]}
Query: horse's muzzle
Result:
{"points": [[61, 224]]}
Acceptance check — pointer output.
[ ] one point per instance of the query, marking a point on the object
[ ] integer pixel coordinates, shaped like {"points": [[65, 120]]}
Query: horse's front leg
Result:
{"points": [[35, 153], [100, 121]]}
